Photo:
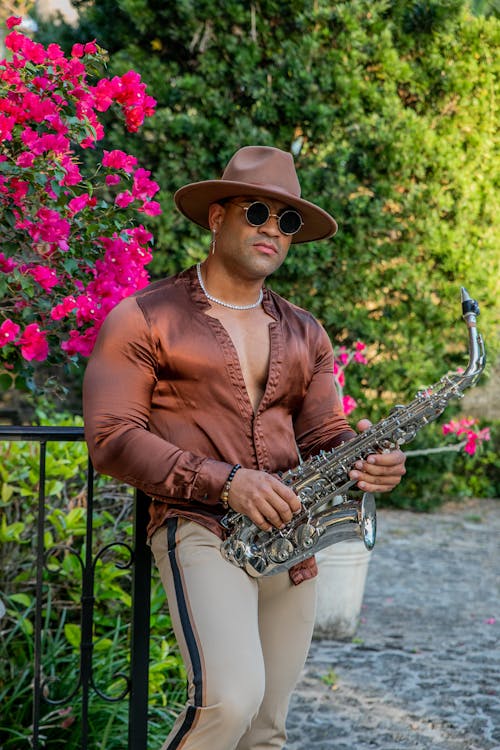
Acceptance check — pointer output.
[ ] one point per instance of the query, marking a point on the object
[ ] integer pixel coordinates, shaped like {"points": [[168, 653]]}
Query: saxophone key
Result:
{"points": [[305, 535], [281, 550]]}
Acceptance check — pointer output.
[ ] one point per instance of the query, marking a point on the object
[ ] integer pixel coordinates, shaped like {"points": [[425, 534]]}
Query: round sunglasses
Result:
{"points": [[258, 213]]}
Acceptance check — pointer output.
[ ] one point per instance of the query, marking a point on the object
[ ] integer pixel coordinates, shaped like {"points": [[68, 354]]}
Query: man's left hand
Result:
{"points": [[378, 472]]}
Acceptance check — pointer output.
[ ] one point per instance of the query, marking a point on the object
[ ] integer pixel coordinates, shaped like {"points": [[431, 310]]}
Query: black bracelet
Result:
{"points": [[224, 496]]}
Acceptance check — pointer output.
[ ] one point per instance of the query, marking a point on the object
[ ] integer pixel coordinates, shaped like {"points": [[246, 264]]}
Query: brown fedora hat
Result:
{"points": [[261, 171]]}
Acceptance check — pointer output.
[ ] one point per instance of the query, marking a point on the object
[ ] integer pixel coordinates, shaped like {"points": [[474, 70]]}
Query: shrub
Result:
{"points": [[70, 244]]}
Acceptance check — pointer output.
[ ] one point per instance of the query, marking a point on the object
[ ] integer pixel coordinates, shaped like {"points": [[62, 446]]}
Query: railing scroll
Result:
{"points": [[136, 683]]}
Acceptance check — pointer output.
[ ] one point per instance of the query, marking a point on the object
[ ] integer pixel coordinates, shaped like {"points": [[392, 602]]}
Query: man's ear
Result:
{"points": [[216, 214]]}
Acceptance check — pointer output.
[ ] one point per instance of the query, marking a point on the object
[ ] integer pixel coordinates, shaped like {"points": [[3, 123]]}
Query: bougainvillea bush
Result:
{"points": [[72, 244]]}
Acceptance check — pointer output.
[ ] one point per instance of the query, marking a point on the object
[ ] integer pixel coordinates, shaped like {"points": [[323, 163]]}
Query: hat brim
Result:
{"points": [[194, 199]]}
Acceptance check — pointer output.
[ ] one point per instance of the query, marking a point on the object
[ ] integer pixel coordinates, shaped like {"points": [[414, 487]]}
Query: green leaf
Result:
{"points": [[23, 599], [73, 634]]}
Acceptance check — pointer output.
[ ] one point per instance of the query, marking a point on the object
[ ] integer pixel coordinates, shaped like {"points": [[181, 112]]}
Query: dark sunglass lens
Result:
{"points": [[257, 214], [290, 222]]}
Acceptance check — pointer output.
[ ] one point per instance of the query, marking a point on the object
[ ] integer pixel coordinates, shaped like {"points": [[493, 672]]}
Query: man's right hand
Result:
{"points": [[263, 498]]}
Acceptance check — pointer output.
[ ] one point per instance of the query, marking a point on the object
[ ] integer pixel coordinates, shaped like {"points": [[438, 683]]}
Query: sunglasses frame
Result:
{"points": [[270, 215]]}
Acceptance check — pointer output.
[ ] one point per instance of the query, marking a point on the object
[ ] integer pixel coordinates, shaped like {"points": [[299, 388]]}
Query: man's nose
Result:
{"points": [[271, 226]]}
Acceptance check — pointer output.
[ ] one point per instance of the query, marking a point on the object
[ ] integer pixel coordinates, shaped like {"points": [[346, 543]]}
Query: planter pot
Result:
{"points": [[341, 584]]}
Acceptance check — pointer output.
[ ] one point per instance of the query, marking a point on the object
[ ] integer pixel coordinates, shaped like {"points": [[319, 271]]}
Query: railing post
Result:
{"points": [[37, 676], [141, 609]]}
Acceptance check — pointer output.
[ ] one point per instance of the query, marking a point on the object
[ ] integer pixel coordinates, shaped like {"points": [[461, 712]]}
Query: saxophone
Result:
{"points": [[328, 514]]}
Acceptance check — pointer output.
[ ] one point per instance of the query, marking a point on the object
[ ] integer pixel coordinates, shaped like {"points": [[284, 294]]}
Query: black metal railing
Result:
{"points": [[139, 561]]}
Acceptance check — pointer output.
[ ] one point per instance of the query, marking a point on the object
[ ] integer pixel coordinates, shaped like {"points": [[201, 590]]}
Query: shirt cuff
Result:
{"points": [[210, 480]]}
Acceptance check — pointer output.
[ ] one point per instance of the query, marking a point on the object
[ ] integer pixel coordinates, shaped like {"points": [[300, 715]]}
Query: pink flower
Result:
{"points": [[80, 343], [80, 202], [72, 176], [143, 187], [151, 208], [349, 404], [343, 356], [471, 444], [51, 228], [6, 264], [464, 427], [33, 343], [13, 21], [103, 94], [54, 52], [77, 50], [124, 199], [358, 356], [64, 308], [119, 160], [6, 127], [8, 332], [46, 277], [25, 160]]}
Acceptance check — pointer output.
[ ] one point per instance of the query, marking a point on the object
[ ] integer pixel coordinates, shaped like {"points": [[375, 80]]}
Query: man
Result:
{"points": [[201, 389]]}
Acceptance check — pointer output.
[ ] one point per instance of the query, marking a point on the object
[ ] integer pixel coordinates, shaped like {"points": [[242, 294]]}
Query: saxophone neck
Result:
{"points": [[477, 354]]}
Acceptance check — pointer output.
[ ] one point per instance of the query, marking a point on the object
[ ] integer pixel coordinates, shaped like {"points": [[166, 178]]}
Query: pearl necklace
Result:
{"points": [[226, 304]]}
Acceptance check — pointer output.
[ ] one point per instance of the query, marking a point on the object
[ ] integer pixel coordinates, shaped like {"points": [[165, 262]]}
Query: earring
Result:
{"points": [[212, 243]]}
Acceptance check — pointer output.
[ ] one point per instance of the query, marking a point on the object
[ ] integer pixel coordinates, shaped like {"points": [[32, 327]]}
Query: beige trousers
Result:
{"points": [[244, 642]]}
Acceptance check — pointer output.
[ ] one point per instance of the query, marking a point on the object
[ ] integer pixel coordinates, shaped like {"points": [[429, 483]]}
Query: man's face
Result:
{"points": [[254, 251]]}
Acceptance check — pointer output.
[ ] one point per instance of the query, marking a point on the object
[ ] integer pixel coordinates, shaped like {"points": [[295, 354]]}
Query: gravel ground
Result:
{"points": [[423, 671]]}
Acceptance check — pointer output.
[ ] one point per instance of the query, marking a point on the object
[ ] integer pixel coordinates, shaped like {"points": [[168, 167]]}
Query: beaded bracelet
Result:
{"points": [[224, 496]]}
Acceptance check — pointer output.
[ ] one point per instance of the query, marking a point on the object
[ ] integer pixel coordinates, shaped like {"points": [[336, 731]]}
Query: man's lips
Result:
{"points": [[266, 247]]}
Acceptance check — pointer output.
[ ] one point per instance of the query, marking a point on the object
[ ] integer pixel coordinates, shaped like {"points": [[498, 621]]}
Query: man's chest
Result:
{"points": [[249, 334]]}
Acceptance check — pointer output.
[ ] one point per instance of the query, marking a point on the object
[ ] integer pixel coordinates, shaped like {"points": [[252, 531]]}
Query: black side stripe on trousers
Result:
{"points": [[188, 635]]}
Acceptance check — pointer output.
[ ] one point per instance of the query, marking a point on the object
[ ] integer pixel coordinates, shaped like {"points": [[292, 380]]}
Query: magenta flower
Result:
{"points": [[6, 264], [151, 208], [124, 199], [81, 202], [348, 404], [46, 277], [64, 308], [9, 331], [467, 427], [143, 187], [13, 21], [119, 160], [33, 343]]}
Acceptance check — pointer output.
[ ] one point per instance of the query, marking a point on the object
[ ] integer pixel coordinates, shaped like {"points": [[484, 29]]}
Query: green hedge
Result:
{"points": [[391, 112]]}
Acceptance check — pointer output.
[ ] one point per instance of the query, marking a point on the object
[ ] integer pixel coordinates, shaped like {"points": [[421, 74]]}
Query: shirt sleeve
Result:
{"points": [[321, 423], [118, 386]]}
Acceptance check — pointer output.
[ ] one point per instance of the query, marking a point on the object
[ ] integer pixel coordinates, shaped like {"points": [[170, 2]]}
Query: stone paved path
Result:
{"points": [[423, 671]]}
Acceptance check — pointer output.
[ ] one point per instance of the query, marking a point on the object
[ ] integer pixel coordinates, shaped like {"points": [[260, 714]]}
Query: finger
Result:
{"points": [[259, 520], [391, 458], [363, 425], [384, 484], [370, 472], [287, 495], [277, 511]]}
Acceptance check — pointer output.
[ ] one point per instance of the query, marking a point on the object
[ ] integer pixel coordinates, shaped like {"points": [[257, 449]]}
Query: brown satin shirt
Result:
{"points": [[166, 408]]}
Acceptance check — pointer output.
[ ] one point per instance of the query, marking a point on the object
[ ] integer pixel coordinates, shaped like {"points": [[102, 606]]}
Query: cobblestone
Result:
{"points": [[423, 671]]}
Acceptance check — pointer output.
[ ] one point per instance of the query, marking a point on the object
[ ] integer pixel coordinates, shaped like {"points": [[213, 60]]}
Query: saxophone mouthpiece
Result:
{"points": [[469, 305]]}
